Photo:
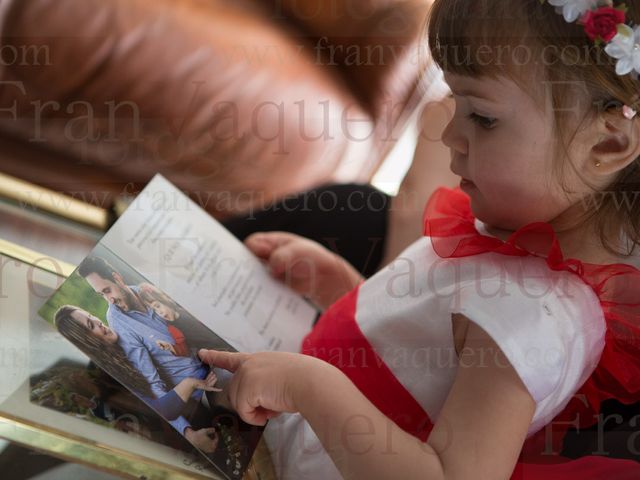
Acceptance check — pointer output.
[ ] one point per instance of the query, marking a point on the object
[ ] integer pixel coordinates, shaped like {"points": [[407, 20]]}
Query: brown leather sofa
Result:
{"points": [[237, 102]]}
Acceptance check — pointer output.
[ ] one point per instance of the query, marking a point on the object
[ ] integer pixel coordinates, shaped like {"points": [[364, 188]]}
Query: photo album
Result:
{"points": [[164, 282]]}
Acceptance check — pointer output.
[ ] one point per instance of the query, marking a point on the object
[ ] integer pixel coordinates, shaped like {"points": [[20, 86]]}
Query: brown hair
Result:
{"points": [[97, 265], [110, 357], [149, 296], [526, 41]]}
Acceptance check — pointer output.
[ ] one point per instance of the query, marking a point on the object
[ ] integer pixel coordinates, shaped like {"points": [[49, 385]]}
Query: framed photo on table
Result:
{"points": [[54, 400]]}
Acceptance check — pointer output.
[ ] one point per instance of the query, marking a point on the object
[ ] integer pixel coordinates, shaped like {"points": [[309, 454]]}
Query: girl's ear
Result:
{"points": [[617, 143]]}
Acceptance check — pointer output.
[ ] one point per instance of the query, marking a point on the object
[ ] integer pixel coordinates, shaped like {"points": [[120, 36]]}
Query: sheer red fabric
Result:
{"points": [[451, 225]]}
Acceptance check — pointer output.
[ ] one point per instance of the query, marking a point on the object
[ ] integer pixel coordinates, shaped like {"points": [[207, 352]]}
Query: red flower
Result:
{"points": [[602, 23]]}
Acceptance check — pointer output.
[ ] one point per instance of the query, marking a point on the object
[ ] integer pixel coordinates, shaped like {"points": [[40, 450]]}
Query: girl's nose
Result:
{"points": [[453, 138]]}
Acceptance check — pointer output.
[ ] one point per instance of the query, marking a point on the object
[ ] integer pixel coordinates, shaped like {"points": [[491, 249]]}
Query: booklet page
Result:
{"points": [[181, 249]]}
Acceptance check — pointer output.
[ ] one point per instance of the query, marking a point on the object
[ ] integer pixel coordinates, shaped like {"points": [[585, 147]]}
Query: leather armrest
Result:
{"points": [[210, 93], [378, 43]]}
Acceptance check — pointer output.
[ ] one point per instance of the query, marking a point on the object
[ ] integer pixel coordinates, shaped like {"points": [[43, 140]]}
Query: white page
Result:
{"points": [[181, 249]]}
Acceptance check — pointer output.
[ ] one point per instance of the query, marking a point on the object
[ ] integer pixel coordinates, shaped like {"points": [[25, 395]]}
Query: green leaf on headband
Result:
{"points": [[624, 30]]}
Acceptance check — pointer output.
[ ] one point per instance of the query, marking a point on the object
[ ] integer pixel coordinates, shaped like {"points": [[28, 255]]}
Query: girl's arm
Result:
{"points": [[478, 434]]}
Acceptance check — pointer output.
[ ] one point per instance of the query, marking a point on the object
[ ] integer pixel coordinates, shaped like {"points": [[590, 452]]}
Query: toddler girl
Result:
{"points": [[166, 309], [518, 312], [188, 333]]}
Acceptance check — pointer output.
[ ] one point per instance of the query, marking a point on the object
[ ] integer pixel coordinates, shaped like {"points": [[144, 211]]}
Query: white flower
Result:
{"points": [[625, 47], [574, 9]]}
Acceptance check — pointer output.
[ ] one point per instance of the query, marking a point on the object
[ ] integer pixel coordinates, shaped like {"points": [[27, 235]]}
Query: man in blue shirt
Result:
{"points": [[138, 329]]}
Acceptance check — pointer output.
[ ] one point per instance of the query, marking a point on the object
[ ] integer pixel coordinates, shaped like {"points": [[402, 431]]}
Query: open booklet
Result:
{"points": [[165, 281]]}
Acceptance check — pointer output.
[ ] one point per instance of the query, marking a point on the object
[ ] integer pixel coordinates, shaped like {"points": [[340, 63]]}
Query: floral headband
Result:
{"points": [[604, 23]]}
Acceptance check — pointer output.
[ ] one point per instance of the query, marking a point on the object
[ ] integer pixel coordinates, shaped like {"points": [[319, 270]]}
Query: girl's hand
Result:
{"points": [[304, 265], [266, 384], [166, 346]]}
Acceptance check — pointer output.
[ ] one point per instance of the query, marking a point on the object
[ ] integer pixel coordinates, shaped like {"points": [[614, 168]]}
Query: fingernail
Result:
{"points": [[258, 237]]}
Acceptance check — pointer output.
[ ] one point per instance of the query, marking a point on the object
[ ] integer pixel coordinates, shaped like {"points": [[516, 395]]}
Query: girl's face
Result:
{"points": [[163, 310], [94, 326], [502, 146]]}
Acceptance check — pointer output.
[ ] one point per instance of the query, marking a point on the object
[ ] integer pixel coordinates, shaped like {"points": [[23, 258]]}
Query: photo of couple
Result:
{"points": [[146, 341]]}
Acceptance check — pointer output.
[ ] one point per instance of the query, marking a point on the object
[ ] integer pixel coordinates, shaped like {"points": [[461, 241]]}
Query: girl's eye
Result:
{"points": [[485, 122]]}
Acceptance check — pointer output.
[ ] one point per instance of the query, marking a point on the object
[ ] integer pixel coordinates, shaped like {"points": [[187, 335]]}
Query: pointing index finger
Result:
{"points": [[230, 361]]}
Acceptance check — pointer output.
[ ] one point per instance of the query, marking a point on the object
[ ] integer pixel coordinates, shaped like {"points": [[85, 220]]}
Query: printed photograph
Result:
{"points": [[86, 392], [147, 342]]}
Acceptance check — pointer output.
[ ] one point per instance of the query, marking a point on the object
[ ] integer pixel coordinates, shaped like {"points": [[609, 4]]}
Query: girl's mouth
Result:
{"points": [[466, 184]]}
